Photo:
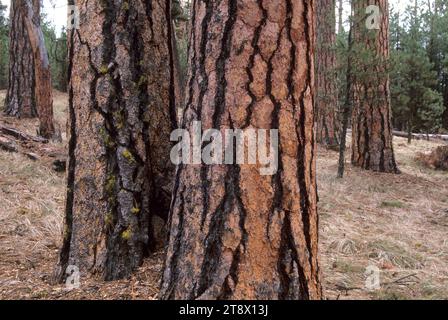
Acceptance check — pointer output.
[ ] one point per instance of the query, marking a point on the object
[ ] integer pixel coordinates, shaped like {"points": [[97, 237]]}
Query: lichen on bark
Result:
{"points": [[121, 115]]}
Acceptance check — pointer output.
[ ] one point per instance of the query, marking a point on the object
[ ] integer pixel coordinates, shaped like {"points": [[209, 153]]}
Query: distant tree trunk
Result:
{"points": [[445, 101], [121, 116], [42, 71], [3, 49], [326, 85], [347, 108], [236, 234], [340, 17], [177, 78], [372, 147], [20, 98]]}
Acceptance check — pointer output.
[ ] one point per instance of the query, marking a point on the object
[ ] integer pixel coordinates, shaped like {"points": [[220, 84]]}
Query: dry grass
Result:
{"points": [[437, 159], [396, 222], [32, 198], [30, 126], [31, 221]]}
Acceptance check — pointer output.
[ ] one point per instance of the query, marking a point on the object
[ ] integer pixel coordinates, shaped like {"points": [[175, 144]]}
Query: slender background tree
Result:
{"points": [[326, 68], [4, 45]]}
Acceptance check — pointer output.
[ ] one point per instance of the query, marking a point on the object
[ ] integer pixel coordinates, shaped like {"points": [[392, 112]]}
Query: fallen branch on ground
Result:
{"points": [[35, 148], [21, 135], [421, 136], [8, 144]]}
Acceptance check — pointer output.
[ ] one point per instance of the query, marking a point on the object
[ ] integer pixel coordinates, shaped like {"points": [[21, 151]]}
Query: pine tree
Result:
{"points": [[372, 147], [342, 50], [236, 234], [326, 80], [416, 105], [436, 19], [399, 100], [4, 47], [43, 91], [121, 114], [21, 95], [57, 50]]}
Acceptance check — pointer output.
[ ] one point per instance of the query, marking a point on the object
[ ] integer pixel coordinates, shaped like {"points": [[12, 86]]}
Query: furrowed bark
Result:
{"points": [[236, 234], [121, 116], [326, 85], [20, 98], [42, 72], [372, 147]]}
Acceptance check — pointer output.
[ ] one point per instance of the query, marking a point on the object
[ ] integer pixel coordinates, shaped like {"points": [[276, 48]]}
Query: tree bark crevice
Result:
{"points": [[240, 235], [121, 107]]}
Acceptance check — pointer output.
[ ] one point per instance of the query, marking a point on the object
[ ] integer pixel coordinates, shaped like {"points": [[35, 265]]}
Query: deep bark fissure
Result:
{"points": [[255, 53], [210, 262], [304, 199], [171, 264], [172, 92], [203, 88], [216, 245], [71, 170], [120, 190]]}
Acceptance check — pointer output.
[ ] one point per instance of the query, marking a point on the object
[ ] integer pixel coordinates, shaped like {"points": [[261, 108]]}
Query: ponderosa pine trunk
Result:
{"points": [[326, 85], [236, 234], [122, 112], [20, 99], [42, 72], [372, 147]]}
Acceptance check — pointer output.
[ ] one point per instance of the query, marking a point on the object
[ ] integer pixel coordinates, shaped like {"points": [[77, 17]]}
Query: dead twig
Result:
{"points": [[21, 135]]}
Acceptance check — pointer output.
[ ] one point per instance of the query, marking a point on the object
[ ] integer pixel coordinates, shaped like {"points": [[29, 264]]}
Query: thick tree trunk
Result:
{"points": [[326, 84], [42, 71], [236, 234], [20, 98], [372, 147], [121, 116]]}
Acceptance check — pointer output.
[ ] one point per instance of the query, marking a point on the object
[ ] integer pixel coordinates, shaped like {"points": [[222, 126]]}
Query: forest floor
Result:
{"points": [[398, 223]]}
